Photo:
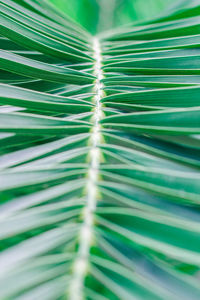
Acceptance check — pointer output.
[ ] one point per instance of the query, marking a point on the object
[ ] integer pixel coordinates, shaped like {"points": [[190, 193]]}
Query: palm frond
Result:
{"points": [[99, 159]]}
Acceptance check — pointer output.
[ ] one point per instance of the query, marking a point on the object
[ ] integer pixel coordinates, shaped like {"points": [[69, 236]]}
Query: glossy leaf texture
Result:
{"points": [[99, 156]]}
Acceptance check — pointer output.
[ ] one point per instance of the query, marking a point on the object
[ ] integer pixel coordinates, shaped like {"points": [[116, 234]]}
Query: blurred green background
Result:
{"points": [[105, 14]]}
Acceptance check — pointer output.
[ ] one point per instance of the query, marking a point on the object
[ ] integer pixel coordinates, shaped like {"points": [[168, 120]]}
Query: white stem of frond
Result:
{"points": [[86, 234]]}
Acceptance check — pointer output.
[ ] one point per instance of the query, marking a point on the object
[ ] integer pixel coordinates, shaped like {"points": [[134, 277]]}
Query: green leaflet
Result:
{"points": [[40, 101], [99, 151], [174, 121], [15, 63]]}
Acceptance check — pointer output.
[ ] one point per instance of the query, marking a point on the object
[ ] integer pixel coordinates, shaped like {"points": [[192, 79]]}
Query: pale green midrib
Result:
{"points": [[81, 263]]}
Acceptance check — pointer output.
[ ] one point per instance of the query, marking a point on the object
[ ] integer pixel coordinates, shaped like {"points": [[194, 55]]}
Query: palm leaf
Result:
{"points": [[99, 156]]}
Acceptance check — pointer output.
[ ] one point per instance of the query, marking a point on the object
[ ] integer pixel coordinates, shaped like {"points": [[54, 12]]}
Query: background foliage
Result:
{"points": [[99, 15]]}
